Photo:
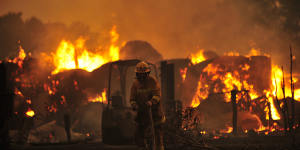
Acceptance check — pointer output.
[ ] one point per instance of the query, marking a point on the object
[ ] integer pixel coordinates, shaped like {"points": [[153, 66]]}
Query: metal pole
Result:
{"points": [[234, 111]]}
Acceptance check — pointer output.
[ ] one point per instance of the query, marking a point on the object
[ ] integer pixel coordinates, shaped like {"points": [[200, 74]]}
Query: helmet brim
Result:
{"points": [[144, 71]]}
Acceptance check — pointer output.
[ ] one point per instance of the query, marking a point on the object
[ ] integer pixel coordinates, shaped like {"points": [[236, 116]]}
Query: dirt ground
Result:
{"points": [[233, 143]]}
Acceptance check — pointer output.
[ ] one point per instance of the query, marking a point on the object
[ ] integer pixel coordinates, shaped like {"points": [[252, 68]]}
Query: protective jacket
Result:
{"points": [[143, 92]]}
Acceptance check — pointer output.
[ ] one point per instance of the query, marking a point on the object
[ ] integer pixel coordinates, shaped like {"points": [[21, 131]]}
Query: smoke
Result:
{"points": [[177, 28]]}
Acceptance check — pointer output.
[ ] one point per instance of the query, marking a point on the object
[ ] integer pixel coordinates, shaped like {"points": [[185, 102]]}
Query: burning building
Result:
{"points": [[211, 94], [209, 85]]}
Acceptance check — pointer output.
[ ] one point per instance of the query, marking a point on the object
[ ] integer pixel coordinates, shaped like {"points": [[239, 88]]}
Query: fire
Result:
{"points": [[28, 101], [30, 113], [183, 73], [232, 54], [233, 79], [100, 98], [277, 80], [198, 57], [18, 92], [228, 130], [52, 108], [70, 55], [274, 112], [22, 53], [228, 81], [113, 49], [20, 58], [201, 94], [256, 52]]}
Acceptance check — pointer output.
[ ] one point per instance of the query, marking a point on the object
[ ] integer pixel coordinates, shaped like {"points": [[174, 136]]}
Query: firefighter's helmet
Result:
{"points": [[142, 67]]}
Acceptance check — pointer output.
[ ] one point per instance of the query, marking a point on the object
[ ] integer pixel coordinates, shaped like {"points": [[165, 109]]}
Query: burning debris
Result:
{"points": [[76, 56], [45, 96], [208, 83], [220, 95]]}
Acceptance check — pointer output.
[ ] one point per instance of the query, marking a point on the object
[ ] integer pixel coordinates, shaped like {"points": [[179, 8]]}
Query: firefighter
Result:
{"points": [[145, 95]]}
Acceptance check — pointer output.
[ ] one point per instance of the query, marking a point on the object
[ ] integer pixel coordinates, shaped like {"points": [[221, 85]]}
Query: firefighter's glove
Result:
{"points": [[153, 101], [149, 103]]}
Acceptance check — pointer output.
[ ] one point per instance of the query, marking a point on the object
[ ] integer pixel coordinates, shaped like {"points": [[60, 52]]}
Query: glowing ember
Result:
{"points": [[52, 108], [28, 101], [20, 58], [100, 98], [228, 130], [232, 54], [18, 92], [30, 113], [22, 53], [183, 73], [198, 57]]}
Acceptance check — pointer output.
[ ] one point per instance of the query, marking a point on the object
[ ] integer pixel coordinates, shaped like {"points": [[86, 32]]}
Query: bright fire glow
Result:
{"points": [[113, 49], [256, 52], [201, 94], [228, 81], [228, 130], [277, 78], [198, 57], [20, 58], [232, 54], [183, 73], [30, 113], [101, 98], [22, 53], [233, 79], [76, 56]]}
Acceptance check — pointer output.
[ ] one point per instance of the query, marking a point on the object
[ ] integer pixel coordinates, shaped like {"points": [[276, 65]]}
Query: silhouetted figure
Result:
{"points": [[67, 122]]}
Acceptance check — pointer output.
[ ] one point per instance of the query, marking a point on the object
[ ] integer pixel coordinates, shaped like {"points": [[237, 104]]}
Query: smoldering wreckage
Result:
{"points": [[210, 101]]}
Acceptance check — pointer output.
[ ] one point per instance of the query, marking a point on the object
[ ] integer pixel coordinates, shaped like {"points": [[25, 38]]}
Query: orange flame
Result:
{"points": [[20, 58], [183, 73], [18, 92], [22, 53], [256, 52], [113, 49], [76, 56], [201, 94], [67, 57], [232, 54], [228, 130], [230, 81], [277, 78], [198, 57], [99, 98], [30, 113]]}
